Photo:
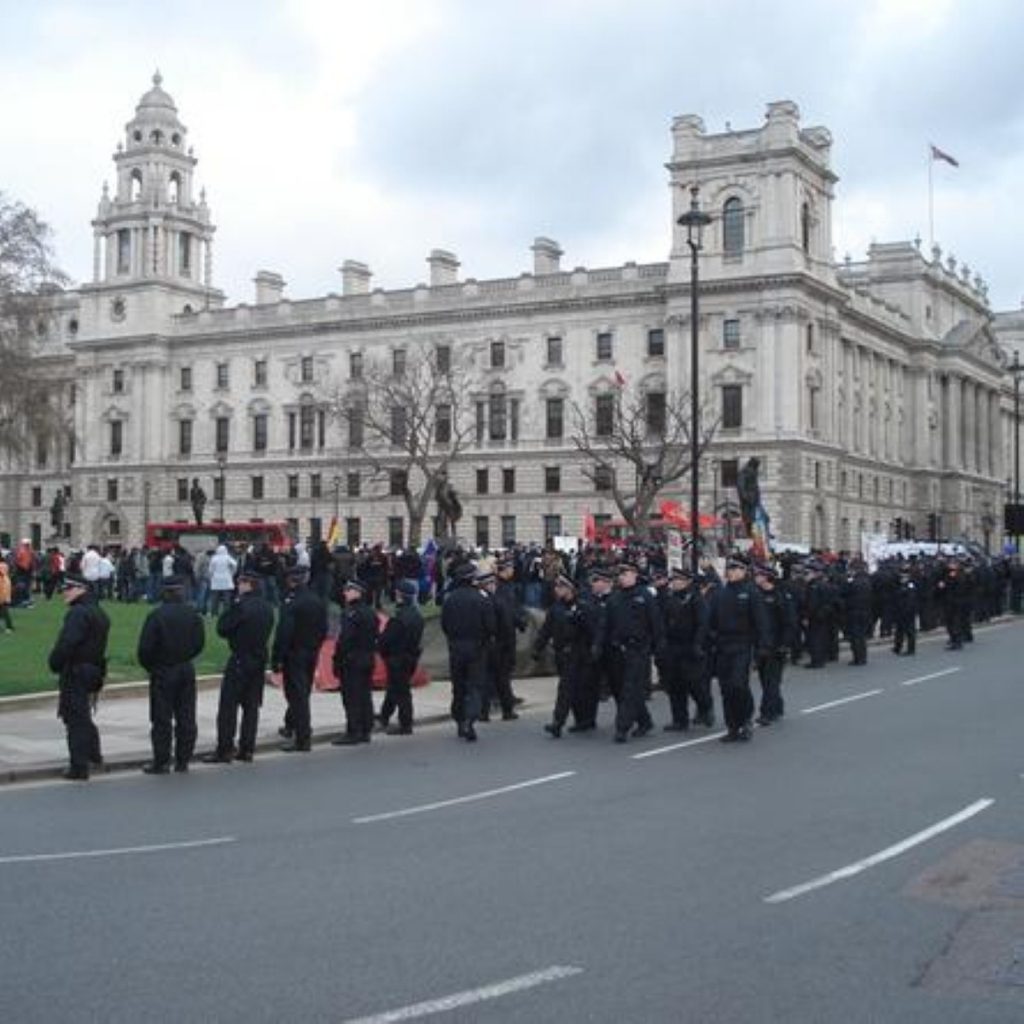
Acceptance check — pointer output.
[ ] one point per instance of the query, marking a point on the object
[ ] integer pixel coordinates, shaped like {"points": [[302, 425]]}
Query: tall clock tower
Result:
{"points": [[153, 239]]}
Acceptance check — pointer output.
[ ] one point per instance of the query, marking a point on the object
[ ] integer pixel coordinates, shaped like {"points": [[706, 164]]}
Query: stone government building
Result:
{"points": [[869, 390]]}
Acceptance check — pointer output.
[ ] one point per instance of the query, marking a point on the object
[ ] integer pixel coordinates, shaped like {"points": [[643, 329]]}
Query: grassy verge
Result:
{"points": [[23, 653]]}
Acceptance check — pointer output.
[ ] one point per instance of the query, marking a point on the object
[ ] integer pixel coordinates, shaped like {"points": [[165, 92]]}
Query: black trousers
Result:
{"points": [[172, 707], [298, 681], [357, 695], [469, 679], [74, 708], [399, 693], [571, 670], [818, 641], [587, 692], [241, 687], [857, 634], [503, 665], [680, 673], [632, 698], [769, 671], [906, 632], [732, 666]]}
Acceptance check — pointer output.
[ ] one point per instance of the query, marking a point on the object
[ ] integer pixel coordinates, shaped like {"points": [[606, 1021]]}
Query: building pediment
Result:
{"points": [[731, 374]]}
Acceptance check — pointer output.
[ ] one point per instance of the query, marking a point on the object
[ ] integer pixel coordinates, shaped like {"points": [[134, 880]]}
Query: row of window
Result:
{"points": [[734, 227]]}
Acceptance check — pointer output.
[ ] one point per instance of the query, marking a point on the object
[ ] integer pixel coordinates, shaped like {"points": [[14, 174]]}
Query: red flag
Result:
{"points": [[589, 528], [620, 381], [938, 154]]}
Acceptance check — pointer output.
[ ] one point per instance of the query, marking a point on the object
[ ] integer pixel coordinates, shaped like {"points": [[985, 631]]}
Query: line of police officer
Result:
{"points": [[605, 640]]}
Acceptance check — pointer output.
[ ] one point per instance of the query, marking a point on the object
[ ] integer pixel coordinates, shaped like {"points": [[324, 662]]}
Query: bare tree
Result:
{"points": [[636, 445], [28, 283], [409, 413]]}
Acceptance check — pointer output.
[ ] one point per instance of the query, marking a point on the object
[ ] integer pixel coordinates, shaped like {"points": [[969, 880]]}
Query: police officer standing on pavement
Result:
{"points": [[246, 625], [172, 635], [595, 684], [484, 583], [79, 657], [682, 665], [353, 664], [781, 615], [738, 627], [467, 621], [635, 632], [301, 630], [400, 645]]}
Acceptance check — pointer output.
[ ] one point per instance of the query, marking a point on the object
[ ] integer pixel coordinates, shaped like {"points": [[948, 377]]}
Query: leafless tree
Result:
{"points": [[29, 281], [637, 446], [411, 413]]}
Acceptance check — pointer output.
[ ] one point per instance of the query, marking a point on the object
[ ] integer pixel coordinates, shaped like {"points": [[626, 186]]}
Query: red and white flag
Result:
{"points": [[938, 154]]}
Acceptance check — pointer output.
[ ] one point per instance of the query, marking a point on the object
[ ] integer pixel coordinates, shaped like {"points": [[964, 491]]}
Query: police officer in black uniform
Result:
{"points": [[594, 686], [172, 635], [780, 611], [510, 619], [686, 624], [246, 625], [467, 621], [565, 627], [400, 645], [905, 609], [634, 632], [79, 657], [818, 609], [857, 596], [738, 628], [301, 629], [353, 664]]}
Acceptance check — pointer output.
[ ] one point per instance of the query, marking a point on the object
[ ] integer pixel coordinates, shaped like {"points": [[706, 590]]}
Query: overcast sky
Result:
{"points": [[377, 131]]}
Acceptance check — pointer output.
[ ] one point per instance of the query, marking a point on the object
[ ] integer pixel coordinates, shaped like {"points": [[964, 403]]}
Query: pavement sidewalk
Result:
{"points": [[33, 745]]}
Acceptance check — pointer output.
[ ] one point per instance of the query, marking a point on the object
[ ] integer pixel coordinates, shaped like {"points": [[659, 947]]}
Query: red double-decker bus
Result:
{"points": [[195, 538]]}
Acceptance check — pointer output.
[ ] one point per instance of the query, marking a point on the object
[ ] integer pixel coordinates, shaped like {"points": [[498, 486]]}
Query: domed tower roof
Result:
{"points": [[156, 99]]}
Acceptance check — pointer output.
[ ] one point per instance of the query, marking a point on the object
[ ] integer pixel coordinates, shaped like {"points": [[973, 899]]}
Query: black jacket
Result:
{"points": [[172, 634], [83, 637], [634, 621], [686, 621], [301, 627], [468, 622], [737, 618], [357, 640], [247, 626], [402, 637]]}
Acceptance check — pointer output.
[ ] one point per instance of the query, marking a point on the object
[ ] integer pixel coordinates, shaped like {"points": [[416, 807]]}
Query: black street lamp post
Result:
{"points": [[337, 497], [222, 462], [1016, 369], [695, 221]]}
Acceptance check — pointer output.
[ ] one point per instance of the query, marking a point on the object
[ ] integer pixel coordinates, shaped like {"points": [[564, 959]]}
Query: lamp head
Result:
{"points": [[695, 220]]}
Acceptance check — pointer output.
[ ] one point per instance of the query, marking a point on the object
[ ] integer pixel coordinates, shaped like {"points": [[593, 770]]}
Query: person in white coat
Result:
{"points": [[222, 580]]}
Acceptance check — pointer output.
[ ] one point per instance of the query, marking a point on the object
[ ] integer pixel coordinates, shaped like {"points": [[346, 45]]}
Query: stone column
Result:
{"points": [[97, 239], [208, 264], [954, 425]]}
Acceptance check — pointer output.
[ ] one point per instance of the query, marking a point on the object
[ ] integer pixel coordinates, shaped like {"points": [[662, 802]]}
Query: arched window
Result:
{"points": [[174, 188], [732, 227], [805, 227], [156, 136], [136, 185]]}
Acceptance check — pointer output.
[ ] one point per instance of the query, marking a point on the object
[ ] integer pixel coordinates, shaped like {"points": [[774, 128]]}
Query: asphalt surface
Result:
{"points": [[573, 881]]}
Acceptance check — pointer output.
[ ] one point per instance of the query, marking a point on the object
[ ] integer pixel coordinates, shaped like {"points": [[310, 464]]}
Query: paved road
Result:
{"points": [[528, 879]]}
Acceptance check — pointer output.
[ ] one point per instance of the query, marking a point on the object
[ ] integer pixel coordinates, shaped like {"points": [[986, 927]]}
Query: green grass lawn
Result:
{"points": [[23, 653]]}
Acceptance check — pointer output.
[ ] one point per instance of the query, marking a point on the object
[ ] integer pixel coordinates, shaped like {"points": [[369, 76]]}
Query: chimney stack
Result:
{"points": [[546, 256], [444, 267], [269, 287], [355, 278]]}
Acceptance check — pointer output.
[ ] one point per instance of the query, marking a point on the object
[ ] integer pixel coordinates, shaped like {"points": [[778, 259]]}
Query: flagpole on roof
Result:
{"points": [[931, 200]]}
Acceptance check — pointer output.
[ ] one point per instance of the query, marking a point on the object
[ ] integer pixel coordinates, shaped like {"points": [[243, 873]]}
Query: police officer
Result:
{"points": [[467, 621], [509, 619], [905, 608], [686, 624], [634, 632], [79, 657], [172, 635], [738, 627], [246, 625], [353, 664], [301, 630], [484, 582], [781, 615], [818, 609], [565, 627], [593, 685], [857, 611], [400, 645]]}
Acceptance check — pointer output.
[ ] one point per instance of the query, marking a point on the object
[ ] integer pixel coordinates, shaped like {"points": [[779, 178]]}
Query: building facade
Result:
{"points": [[870, 391]]}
